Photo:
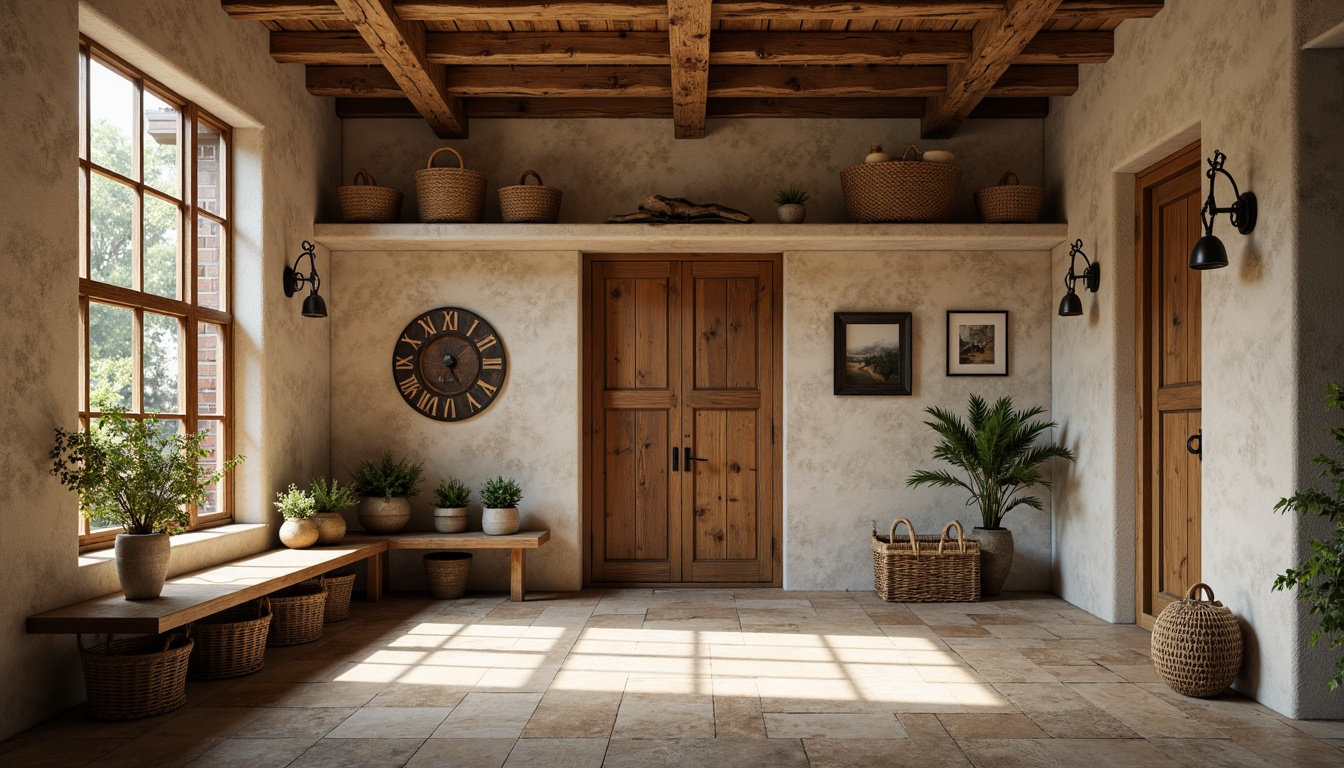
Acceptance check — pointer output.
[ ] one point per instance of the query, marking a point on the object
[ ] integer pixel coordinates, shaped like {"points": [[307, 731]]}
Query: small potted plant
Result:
{"points": [[450, 506], [387, 486], [790, 202], [133, 472], [500, 499], [329, 498], [299, 531]]}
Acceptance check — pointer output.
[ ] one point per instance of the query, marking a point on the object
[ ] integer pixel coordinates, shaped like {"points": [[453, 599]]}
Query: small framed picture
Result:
{"points": [[977, 343], [872, 353]]}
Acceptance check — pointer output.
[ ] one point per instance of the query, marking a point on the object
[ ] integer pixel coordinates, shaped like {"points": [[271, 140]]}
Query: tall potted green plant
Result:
{"points": [[996, 449], [329, 498], [387, 486], [141, 475]]}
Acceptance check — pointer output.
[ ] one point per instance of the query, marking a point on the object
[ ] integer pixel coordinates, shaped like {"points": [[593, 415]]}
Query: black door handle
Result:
{"points": [[690, 458], [1195, 445], [675, 454]]}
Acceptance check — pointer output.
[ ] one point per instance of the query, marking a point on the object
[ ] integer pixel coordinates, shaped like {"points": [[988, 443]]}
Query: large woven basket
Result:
{"points": [[1010, 202], [231, 643], [1197, 645], [135, 676], [298, 613], [529, 203], [908, 189], [925, 569], [447, 573], [449, 194], [339, 589], [365, 201]]}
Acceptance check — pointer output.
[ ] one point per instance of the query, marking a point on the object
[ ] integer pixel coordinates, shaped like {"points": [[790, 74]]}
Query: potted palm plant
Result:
{"points": [[500, 499], [387, 486], [997, 450], [450, 506], [299, 531], [329, 498], [137, 474]]}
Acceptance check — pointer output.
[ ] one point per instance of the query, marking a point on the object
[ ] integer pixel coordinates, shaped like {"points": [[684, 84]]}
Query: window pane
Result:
{"points": [[161, 247], [209, 163], [163, 364], [209, 369], [111, 109], [99, 521], [83, 105], [111, 331], [213, 444], [163, 124], [209, 263], [111, 215]]}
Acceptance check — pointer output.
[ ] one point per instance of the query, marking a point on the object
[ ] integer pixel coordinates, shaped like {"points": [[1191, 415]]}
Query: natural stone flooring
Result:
{"points": [[690, 678]]}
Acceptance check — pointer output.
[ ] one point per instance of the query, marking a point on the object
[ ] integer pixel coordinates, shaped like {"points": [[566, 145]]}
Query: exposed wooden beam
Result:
{"points": [[284, 10], [1012, 109], [740, 82], [1068, 48], [604, 82], [688, 32], [1108, 9], [353, 82], [345, 49], [795, 10], [996, 41], [500, 48], [839, 47], [1053, 80], [533, 10]]}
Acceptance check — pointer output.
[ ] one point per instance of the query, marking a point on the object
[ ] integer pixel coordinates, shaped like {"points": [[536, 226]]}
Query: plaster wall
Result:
{"points": [[283, 138]]}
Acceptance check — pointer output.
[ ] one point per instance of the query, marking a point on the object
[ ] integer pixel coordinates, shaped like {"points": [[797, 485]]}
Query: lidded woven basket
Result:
{"points": [[365, 201], [1197, 645], [1010, 202], [529, 203], [908, 189], [449, 194]]}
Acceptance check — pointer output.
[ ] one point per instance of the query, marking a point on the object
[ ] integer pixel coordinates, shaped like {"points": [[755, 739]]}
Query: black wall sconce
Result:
{"points": [[1071, 305], [313, 305], [1209, 252]]}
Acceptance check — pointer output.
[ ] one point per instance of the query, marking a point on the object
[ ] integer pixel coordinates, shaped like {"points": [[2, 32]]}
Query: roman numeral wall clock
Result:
{"points": [[449, 364]]}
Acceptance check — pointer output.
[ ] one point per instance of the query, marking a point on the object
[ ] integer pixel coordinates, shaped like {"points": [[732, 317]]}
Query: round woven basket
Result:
{"points": [[339, 589], [297, 614], [900, 190], [135, 676], [231, 643], [365, 201], [529, 203], [447, 572], [1009, 202], [449, 194], [1197, 645]]}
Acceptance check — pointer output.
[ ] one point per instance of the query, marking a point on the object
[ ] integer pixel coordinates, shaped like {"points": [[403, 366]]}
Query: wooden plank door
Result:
{"points": [[1170, 360]]}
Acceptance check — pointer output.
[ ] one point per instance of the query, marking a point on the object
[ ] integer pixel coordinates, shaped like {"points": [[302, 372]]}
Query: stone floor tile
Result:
{"points": [[58, 753], [462, 753], [737, 709], [1059, 711], [358, 753], [961, 630], [1213, 752], [252, 753], [1289, 750], [156, 750], [557, 753], [412, 695], [705, 753], [991, 726], [1135, 673], [573, 715], [484, 715], [391, 723], [1145, 714], [1065, 753], [294, 723], [870, 753], [1090, 673], [660, 716], [780, 725]]}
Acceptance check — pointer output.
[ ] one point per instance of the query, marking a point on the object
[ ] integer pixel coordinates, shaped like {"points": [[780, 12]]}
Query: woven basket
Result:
{"points": [[900, 190], [529, 203], [447, 572], [231, 643], [925, 569], [449, 194], [135, 676], [364, 200], [339, 589], [1009, 203], [298, 612], [1197, 645]]}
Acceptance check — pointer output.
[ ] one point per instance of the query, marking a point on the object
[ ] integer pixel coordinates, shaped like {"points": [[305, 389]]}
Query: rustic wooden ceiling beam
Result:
{"points": [[1068, 48], [499, 48], [995, 42], [1108, 9], [284, 10], [839, 47], [688, 32], [784, 82], [1053, 80], [534, 10], [803, 10], [353, 82]]}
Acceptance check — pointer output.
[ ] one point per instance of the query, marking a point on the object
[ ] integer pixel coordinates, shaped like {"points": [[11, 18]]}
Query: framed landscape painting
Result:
{"points": [[872, 353], [977, 343]]}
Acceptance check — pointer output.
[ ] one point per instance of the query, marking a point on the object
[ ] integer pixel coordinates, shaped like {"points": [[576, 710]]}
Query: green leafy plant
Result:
{"points": [[451, 494], [1321, 576], [791, 196], [501, 493], [330, 495], [136, 473], [295, 504], [996, 447], [388, 477]]}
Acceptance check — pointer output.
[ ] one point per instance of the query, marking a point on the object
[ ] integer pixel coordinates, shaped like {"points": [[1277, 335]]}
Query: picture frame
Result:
{"points": [[873, 353], [977, 343]]}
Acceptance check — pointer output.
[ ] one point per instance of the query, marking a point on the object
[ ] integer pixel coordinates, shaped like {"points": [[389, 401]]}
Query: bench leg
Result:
{"points": [[375, 566], [516, 571]]}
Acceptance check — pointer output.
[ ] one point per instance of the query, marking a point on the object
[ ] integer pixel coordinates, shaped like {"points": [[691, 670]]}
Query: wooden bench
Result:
{"points": [[516, 543]]}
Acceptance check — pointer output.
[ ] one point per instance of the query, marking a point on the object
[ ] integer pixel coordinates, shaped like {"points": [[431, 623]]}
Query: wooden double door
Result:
{"points": [[683, 409]]}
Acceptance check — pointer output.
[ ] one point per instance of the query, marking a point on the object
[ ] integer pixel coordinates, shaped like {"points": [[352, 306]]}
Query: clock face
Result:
{"points": [[449, 364]]}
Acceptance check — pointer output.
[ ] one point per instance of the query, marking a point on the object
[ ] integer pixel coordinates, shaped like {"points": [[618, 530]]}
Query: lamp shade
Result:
{"points": [[314, 306], [1070, 305], [1208, 253]]}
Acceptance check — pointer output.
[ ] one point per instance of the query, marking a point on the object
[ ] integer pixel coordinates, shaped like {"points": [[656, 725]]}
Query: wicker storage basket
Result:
{"points": [[365, 201], [529, 203], [231, 643], [135, 676], [900, 190], [447, 572], [926, 569], [297, 614], [1197, 645], [1009, 203], [449, 194], [339, 589]]}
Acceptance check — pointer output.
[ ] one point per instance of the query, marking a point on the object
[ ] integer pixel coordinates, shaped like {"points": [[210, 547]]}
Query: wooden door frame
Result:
{"points": [[589, 363], [1146, 368]]}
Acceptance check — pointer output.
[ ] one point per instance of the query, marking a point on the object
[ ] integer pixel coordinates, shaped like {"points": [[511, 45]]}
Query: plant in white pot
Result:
{"points": [[299, 531], [500, 498], [140, 474], [450, 506], [387, 486], [329, 498], [996, 447]]}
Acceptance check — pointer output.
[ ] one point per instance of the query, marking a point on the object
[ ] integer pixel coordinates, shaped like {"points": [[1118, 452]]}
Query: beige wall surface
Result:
{"points": [[283, 146]]}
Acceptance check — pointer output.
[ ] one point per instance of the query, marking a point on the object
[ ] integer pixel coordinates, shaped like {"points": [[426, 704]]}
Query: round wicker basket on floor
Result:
{"points": [[447, 572], [449, 194], [1009, 203], [1197, 645], [908, 189], [231, 643], [529, 203], [135, 676], [365, 201], [297, 614], [339, 589]]}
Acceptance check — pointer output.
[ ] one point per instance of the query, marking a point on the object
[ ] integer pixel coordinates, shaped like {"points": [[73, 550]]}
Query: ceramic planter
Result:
{"points": [[793, 213], [142, 564], [996, 558], [330, 528], [299, 532], [499, 522], [383, 515], [450, 519]]}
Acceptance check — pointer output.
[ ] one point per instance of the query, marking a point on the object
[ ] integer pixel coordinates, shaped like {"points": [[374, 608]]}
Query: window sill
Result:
{"points": [[227, 536]]}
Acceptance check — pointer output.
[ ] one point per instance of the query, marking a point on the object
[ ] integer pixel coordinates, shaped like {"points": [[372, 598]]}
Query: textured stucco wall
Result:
{"points": [[282, 154]]}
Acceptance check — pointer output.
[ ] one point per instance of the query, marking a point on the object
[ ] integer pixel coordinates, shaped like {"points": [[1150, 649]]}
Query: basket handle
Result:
{"points": [[1193, 592], [1003, 180], [523, 179], [435, 153], [367, 179], [79, 641], [914, 543], [906, 154], [961, 536]]}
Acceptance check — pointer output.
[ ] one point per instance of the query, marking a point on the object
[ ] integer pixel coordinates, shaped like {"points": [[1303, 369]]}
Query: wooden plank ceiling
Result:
{"points": [[943, 61]]}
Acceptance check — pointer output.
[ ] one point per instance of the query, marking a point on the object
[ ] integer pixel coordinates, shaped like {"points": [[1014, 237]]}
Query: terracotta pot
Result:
{"points": [[450, 519], [330, 528], [142, 564], [996, 558], [299, 532], [793, 213], [499, 522], [382, 515]]}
